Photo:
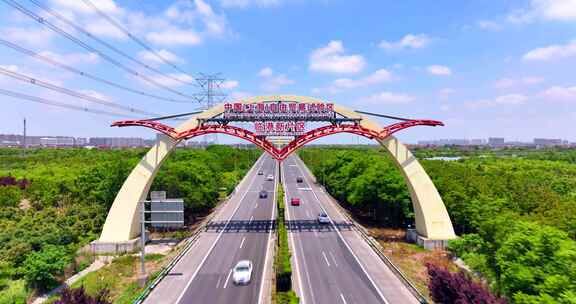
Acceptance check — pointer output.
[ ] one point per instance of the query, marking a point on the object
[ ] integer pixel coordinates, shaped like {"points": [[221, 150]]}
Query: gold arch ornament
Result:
{"points": [[433, 223]]}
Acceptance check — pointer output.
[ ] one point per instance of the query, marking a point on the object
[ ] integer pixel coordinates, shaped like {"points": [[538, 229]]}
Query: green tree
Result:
{"points": [[41, 269]]}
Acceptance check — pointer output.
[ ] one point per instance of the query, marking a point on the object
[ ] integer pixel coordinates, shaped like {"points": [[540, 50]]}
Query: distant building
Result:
{"points": [[496, 141], [117, 142], [547, 142], [58, 141]]}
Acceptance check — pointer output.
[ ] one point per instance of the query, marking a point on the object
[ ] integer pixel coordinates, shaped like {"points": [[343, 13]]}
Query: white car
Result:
{"points": [[242, 272], [323, 218], [270, 177]]}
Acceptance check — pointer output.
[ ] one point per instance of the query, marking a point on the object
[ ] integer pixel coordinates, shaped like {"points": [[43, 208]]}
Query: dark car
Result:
{"points": [[263, 194], [295, 201], [299, 179]]}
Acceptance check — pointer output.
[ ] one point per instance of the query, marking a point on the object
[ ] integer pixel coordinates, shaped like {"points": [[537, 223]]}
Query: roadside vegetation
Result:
{"points": [[54, 201], [284, 293], [515, 210]]}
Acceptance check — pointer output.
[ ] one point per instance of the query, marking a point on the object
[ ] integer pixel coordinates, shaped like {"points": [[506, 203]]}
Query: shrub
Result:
{"points": [[458, 288], [79, 296]]}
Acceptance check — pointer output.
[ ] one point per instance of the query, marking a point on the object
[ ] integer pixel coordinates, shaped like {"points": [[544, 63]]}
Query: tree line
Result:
{"points": [[516, 214], [54, 201]]}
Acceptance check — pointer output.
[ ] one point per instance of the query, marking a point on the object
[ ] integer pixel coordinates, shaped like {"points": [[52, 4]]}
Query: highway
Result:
{"points": [[241, 230], [331, 262]]}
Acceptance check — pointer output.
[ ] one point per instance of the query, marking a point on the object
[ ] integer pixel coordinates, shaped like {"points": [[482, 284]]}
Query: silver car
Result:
{"points": [[323, 218], [242, 272]]}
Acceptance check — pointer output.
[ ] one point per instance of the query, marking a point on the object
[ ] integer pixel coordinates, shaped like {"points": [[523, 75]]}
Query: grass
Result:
{"points": [[411, 259], [284, 293], [120, 277], [14, 292]]}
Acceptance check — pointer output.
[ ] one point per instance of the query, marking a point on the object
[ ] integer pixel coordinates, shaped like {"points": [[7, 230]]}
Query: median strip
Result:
{"points": [[284, 293]]}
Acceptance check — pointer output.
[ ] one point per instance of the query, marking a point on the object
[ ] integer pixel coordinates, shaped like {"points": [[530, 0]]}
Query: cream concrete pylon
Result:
{"points": [[122, 222]]}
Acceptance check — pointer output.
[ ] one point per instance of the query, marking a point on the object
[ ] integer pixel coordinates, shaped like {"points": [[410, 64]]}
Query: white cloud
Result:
{"points": [[439, 70], [96, 94], [175, 80], [107, 6], [30, 36], [174, 37], [506, 83], [265, 72], [331, 59], [556, 51], [103, 28], [559, 93], [247, 3], [72, 58], [379, 76], [489, 25], [238, 95], [273, 81], [152, 58], [554, 10], [409, 41], [387, 98], [230, 84], [445, 92], [276, 82], [510, 99]]}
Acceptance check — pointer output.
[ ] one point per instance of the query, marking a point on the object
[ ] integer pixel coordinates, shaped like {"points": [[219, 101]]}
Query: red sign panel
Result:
{"points": [[279, 111]]}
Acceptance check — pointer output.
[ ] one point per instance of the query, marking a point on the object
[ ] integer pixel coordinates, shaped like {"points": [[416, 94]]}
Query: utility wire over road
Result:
{"points": [[134, 38], [82, 44], [92, 36], [90, 76], [35, 99], [69, 92]]}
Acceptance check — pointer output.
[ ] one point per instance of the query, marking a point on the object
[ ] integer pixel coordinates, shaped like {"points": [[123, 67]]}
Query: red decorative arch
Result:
{"points": [[260, 141]]}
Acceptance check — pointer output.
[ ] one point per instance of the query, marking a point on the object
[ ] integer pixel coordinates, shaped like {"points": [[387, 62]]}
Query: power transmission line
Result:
{"points": [[118, 26], [106, 44], [57, 103], [66, 91], [84, 74], [82, 44]]}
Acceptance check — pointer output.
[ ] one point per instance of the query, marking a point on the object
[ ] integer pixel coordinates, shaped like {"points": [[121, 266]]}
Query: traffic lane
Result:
{"points": [[329, 259], [213, 284], [318, 282], [179, 277], [388, 283]]}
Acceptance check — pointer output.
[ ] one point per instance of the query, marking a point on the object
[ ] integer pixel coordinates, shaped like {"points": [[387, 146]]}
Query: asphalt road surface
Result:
{"points": [[240, 233], [331, 262]]}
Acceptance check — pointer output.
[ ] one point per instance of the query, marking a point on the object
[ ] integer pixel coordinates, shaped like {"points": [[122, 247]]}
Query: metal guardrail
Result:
{"points": [[380, 252], [373, 244], [189, 243]]}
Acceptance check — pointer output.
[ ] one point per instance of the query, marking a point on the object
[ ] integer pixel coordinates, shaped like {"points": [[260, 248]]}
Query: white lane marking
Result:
{"points": [[346, 243], [260, 294], [256, 206], [308, 213], [242, 243], [325, 259], [333, 258], [343, 299], [251, 218], [295, 248], [219, 235], [227, 278], [218, 283]]}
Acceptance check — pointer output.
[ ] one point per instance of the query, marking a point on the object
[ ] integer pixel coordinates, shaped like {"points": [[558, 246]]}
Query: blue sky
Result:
{"points": [[485, 68]]}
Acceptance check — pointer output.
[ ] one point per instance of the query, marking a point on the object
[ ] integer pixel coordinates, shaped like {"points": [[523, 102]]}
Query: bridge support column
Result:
{"points": [[121, 229], [433, 225]]}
